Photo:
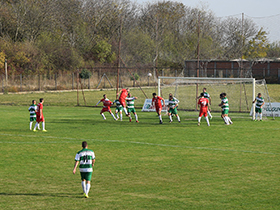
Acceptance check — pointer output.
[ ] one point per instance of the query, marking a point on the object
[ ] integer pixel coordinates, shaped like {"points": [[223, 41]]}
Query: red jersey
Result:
{"points": [[157, 101], [106, 102], [124, 94], [39, 108], [203, 102]]}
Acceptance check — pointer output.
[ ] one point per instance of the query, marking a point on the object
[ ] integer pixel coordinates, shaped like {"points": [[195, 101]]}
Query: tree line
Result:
{"points": [[46, 36]]}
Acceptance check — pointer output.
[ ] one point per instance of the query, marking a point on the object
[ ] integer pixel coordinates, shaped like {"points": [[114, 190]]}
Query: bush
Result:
{"points": [[85, 74]]}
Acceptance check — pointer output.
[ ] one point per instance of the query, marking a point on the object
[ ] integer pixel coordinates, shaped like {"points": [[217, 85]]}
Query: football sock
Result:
{"points": [[121, 116], [117, 116], [125, 111], [260, 116], [30, 125], [208, 112], [170, 117], [84, 186], [136, 117], [229, 120], [113, 116], [178, 118], [225, 119], [36, 125], [256, 116], [199, 119], [207, 120], [87, 188], [43, 125], [104, 118], [160, 118]]}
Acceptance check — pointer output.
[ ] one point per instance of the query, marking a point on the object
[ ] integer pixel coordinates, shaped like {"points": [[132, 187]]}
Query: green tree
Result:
{"points": [[274, 50], [258, 46]]}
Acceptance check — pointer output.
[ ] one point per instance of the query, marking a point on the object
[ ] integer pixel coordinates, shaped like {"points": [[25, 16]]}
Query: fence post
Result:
{"points": [[3, 82], [72, 80], [20, 82], [278, 75], [89, 83], [39, 85], [55, 78]]}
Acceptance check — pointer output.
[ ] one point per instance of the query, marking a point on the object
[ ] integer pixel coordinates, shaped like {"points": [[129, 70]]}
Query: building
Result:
{"points": [[261, 69]]}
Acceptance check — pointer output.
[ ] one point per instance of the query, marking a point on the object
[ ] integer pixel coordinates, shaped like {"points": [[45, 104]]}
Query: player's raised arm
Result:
{"points": [[97, 103]]}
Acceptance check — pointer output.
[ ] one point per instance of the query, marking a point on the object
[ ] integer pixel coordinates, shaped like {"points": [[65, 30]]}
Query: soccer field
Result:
{"points": [[138, 165]]}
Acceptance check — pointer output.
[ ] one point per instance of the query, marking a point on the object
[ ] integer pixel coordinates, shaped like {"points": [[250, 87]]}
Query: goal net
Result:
{"points": [[240, 92]]}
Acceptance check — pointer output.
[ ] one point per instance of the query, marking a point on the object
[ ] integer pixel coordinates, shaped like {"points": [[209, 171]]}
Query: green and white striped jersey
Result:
{"points": [[130, 102], [85, 156], [118, 104], [32, 110], [206, 95], [225, 103], [259, 102], [172, 103]]}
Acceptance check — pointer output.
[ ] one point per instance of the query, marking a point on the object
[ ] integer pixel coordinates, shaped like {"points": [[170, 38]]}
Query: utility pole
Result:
{"points": [[6, 70], [119, 56], [242, 45], [197, 63], [241, 60]]}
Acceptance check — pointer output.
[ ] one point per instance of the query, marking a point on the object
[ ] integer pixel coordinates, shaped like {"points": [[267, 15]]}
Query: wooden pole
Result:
{"points": [[119, 55], [78, 104], [197, 64]]}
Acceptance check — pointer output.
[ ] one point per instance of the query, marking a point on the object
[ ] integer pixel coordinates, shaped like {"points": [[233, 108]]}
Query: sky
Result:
{"points": [[265, 13]]}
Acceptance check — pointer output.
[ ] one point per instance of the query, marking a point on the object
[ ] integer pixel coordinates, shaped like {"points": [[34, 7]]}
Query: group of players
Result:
{"points": [[125, 102], [158, 102], [36, 115]]}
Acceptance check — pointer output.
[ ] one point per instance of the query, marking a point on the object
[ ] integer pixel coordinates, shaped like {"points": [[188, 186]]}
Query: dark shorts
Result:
{"points": [[258, 110], [86, 175]]}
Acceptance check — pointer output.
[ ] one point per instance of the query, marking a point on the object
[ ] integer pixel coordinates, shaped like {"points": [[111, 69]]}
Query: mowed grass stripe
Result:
{"points": [[121, 141]]}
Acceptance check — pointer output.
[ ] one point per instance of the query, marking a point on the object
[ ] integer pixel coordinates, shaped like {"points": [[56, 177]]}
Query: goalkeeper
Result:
{"points": [[259, 104], [173, 104]]}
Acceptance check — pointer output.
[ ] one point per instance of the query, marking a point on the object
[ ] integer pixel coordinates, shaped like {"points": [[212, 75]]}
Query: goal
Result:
{"points": [[240, 92]]}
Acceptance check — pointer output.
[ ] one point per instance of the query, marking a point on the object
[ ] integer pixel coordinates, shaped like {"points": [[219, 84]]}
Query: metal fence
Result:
{"points": [[103, 78]]}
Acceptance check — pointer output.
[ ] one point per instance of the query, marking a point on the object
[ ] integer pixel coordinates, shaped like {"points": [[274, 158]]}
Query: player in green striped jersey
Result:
{"points": [[172, 108], [119, 107], [225, 108], [86, 158], [259, 104], [130, 107], [32, 110]]}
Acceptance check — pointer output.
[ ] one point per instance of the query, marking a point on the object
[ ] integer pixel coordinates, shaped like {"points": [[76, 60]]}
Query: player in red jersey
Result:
{"points": [[40, 116], [123, 94], [106, 106], [203, 103], [156, 102]]}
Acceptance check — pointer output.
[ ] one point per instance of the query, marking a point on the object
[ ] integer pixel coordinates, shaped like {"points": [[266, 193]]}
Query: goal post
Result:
{"points": [[240, 91]]}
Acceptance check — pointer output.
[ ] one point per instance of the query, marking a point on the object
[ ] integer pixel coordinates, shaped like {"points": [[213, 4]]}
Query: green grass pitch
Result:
{"points": [[138, 165]]}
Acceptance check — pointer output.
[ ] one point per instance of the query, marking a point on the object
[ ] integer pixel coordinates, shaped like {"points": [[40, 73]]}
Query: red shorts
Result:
{"points": [[122, 102], [158, 108], [203, 112], [106, 110], [38, 118]]}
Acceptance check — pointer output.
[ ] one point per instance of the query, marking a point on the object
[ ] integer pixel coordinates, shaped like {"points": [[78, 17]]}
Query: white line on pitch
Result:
{"points": [[120, 141]]}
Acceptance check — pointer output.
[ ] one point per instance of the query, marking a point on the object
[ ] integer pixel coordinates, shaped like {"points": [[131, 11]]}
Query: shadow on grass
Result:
{"points": [[65, 195]]}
